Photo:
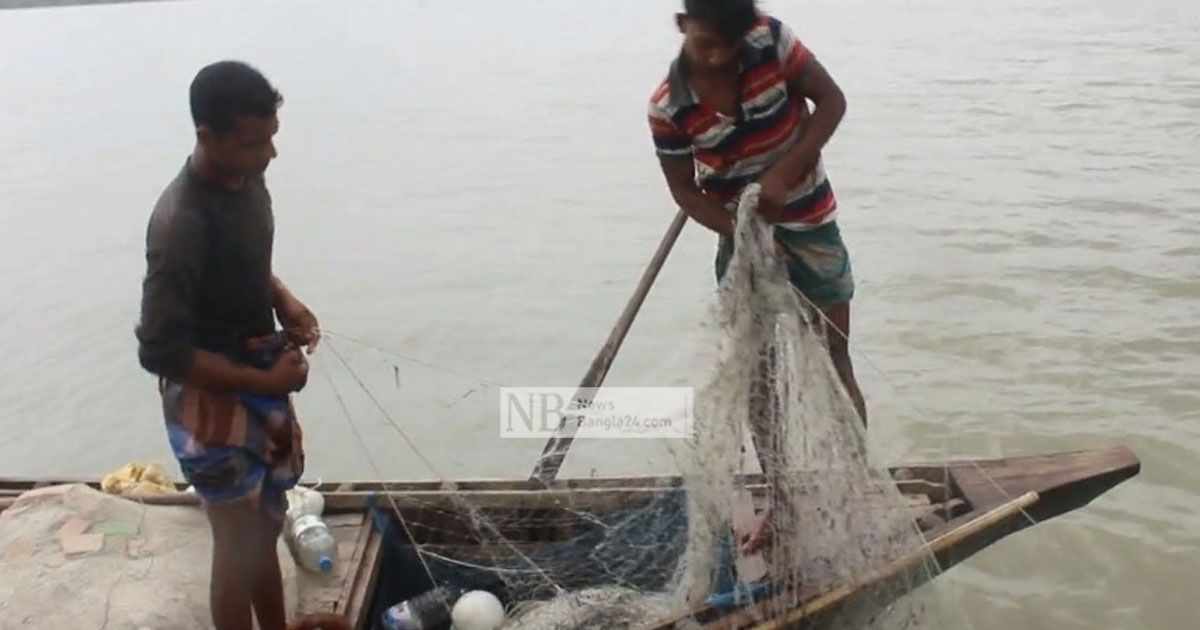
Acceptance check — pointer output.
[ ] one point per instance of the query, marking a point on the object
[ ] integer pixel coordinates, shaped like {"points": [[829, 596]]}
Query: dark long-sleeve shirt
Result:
{"points": [[208, 273]]}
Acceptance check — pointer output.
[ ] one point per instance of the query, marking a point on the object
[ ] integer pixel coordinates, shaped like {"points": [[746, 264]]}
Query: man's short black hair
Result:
{"points": [[223, 91], [732, 19]]}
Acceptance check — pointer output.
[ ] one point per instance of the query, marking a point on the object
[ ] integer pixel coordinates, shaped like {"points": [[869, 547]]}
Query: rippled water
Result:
{"points": [[473, 186]]}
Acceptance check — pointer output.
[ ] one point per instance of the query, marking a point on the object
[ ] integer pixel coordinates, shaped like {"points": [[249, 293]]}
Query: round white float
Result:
{"points": [[477, 610]]}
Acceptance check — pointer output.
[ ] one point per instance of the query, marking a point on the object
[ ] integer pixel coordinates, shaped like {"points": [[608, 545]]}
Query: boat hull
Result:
{"points": [[961, 508]]}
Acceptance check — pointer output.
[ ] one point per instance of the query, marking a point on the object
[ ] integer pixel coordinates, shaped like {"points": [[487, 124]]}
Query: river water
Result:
{"points": [[468, 188]]}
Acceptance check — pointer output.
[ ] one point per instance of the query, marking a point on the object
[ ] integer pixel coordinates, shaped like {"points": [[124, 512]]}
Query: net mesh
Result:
{"points": [[775, 429], [626, 556]]}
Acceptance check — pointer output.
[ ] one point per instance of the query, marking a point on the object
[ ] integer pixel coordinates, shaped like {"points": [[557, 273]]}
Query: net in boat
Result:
{"points": [[575, 557], [75, 557]]}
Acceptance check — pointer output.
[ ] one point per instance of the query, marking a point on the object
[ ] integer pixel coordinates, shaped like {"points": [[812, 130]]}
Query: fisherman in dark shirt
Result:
{"points": [[209, 305]]}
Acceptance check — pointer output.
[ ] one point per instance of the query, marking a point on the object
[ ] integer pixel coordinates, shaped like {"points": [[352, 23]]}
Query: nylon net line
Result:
{"points": [[775, 429]]}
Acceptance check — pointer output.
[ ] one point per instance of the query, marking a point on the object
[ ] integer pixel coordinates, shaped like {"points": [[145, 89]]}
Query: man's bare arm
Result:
{"points": [[210, 370], [279, 291], [298, 321], [681, 180], [813, 84]]}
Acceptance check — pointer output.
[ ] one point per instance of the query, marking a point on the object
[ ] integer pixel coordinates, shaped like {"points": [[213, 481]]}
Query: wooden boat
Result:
{"points": [[960, 506]]}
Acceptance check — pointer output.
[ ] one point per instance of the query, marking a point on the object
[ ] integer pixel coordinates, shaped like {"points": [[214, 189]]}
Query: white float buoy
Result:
{"points": [[477, 610]]}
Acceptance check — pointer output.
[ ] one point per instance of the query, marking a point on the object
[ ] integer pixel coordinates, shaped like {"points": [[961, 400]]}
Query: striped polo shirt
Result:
{"points": [[730, 153]]}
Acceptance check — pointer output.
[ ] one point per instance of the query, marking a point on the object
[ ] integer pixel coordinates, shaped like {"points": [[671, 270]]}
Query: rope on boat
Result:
{"points": [[440, 477], [873, 365], [858, 353], [414, 360], [371, 460], [916, 409]]}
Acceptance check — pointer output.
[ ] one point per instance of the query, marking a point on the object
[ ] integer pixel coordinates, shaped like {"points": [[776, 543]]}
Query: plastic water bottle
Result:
{"points": [[311, 541], [314, 546], [303, 501], [428, 611]]}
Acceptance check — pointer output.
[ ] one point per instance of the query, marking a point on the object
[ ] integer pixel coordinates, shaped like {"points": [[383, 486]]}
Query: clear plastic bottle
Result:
{"points": [[428, 611], [303, 501], [311, 542]]}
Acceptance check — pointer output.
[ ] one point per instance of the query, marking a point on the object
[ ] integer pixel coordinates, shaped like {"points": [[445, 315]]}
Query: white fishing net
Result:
{"points": [[653, 555], [835, 516], [74, 557], [775, 429]]}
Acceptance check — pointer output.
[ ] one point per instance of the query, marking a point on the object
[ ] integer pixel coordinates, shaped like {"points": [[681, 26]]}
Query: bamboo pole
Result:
{"points": [[831, 598], [940, 544], [556, 447]]}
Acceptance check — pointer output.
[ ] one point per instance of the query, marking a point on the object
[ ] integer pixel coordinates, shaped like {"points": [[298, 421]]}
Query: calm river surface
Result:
{"points": [[471, 185]]}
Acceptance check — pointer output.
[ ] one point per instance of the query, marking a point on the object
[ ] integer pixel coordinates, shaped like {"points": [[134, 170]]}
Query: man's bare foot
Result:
{"points": [[756, 534]]}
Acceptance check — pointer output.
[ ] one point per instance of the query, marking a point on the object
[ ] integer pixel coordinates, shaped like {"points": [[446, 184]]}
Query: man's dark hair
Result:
{"points": [[223, 91], [731, 19]]}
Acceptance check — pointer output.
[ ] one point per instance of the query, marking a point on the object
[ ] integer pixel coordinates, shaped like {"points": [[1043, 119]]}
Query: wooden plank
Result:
{"points": [[985, 481], [346, 594], [1062, 481], [802, 601], [838, 595], [962, 490], [324, 593], [918, 499], [937, 474], [919, 484], [925, 488], [952, 508], [1076, 477], [598, 500], [362, 590], [916, 485]]}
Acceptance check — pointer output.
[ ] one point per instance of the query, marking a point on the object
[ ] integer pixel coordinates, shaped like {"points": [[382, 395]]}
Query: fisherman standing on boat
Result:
{"points": [[733, 111], [207, 329]]}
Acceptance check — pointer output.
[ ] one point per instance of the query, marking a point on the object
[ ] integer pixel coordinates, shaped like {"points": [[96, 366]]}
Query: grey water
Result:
{"points": [[467, 191]]}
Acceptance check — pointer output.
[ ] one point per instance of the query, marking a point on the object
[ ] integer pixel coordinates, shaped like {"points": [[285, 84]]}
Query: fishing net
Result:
{"points": [[843, 549], [75, 557], [834, 516]]}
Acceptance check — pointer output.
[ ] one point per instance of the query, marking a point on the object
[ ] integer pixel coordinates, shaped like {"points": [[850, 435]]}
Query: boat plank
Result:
{"points": [[802, 601], [1076, 477], [327, 593], [918, 485], [528, 513], [362, 588]]}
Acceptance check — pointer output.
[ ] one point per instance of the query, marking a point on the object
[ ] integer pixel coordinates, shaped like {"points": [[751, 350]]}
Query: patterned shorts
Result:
{"points": [[233, 447], [819, 265]]}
